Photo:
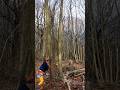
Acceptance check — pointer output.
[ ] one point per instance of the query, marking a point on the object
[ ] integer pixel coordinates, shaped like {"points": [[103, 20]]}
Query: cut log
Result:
{"points": [[75, 72]]}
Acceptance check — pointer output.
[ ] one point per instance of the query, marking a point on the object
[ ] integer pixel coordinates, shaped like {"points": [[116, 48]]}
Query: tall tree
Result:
{"points": [[60, 37], [47, 30]]}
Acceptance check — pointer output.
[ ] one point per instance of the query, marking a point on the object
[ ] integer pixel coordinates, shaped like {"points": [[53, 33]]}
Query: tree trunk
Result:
{"points": [[60, 40]]}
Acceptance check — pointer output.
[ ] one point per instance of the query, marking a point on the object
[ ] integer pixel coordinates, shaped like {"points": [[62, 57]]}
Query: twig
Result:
{"points": [[67, 81]]}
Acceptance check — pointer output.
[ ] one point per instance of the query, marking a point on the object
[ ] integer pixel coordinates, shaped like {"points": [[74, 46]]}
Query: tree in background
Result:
{"points": [[58, 36]]}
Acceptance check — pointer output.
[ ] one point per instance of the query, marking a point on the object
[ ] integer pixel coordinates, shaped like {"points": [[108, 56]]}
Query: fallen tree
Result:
{"points": [[75, 73]]}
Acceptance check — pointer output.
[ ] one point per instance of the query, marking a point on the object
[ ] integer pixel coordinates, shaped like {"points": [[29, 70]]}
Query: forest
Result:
{"points": [[59, 36], [77, 41]]}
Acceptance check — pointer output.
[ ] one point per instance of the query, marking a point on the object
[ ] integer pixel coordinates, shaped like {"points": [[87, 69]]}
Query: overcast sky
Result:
{"points": [[77, 5]]}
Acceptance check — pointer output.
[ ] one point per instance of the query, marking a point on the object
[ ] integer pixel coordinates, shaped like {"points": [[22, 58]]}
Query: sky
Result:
{"points": [[77, 5]]}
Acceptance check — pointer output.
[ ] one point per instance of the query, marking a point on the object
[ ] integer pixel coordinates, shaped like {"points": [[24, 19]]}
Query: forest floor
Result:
{"points": [[73, 80]]}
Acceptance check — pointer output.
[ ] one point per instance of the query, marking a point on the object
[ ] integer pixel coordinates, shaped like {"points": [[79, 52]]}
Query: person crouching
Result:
{"points": [[42, 69]]}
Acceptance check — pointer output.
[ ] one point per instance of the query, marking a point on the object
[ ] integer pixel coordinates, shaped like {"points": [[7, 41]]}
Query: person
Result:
{"points": [[40, 73]]}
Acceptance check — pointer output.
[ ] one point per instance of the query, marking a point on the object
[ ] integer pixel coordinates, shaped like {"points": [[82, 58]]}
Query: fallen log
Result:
{"points": [[75, 72], [79, 72]]}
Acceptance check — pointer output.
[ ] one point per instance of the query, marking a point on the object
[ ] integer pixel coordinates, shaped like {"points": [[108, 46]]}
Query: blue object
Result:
{"points": [[44, 67]]}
